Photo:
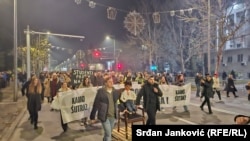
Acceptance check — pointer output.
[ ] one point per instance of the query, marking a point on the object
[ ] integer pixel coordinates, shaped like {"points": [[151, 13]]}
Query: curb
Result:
{"points": [[8, 132]]}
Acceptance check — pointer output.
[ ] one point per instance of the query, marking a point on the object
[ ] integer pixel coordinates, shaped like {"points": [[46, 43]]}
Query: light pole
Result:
{"points": [[28, 32], [15, 50], [208, 38], [114, 51]]}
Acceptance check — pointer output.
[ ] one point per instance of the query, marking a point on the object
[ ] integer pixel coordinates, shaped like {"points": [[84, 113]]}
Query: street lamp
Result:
{"points": [[28, 32], [114, 55], [208, 37], [15, 51]]}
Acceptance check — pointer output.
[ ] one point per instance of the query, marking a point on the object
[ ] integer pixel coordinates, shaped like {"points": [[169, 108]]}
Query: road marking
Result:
{"points": [[217, 109], [184, 120]]}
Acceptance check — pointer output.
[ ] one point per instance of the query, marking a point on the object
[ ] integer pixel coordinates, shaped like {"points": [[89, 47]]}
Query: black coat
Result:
{"points": [[34, 102], [101, 103], [230, 85], [144, 92], [25, 87], [208, 88]]}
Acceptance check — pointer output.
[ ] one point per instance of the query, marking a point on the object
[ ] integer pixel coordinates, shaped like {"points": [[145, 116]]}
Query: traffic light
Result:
{"points": [[153, 67], [82, 65], [119, 66], [97, 53]]}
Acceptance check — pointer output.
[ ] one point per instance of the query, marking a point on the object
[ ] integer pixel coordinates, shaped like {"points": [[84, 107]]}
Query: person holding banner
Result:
{"points": [[179, 81], [85, 84], [64, 88], [106, 104], [150, 92]]}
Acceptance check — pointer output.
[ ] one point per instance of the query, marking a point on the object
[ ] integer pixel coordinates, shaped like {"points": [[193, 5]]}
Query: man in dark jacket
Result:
{"points": [[150, 92], [24, 91], [106, 104], [207, 92]]}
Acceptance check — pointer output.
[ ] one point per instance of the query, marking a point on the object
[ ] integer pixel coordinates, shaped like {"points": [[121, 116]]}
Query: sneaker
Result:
{"points": [[82, 124]]}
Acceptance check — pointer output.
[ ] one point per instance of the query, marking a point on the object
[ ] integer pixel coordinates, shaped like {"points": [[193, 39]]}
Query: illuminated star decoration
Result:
{"points": [[134, 23], [78, 1]]}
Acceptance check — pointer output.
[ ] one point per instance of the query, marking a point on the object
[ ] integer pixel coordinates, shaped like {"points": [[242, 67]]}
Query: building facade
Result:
{"points": [[236, 55]]}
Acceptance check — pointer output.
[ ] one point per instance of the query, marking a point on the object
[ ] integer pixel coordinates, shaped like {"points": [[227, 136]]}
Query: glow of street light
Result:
{"points": [[108, 37]]}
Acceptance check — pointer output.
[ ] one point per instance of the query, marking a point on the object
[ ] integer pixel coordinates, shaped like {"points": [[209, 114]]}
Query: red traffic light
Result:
{"points": [[82, 65], [97, 53], [119, 66]]}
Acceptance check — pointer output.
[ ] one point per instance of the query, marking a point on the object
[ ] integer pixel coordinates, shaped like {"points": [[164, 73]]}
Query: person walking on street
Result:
{"points": [[224, 77], [106, 104], [64, 88], [248, 90], [85, 84], [207, 92], [216, 85], [230, 86], [25, 92], [150, 92], [198, 84], [180, 81], [35, 101], [55, 85]]}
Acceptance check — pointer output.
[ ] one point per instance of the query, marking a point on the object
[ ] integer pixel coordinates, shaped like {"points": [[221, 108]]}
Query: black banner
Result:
{"points": [[186, 132], [78, 75]]}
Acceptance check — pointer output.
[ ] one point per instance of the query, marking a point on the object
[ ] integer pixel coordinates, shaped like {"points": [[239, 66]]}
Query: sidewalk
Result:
{"points": [[10, 112]]}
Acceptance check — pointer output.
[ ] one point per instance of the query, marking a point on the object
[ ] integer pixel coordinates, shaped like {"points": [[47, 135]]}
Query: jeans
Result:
{"points": [[108, 126], [130, 105], [198, 89]]}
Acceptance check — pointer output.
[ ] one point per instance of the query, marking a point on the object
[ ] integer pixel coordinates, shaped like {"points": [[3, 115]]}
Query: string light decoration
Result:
{"points": [[134, 23], [181, 12], [78, 2], [62, 48], [156, 17], [172, 13], [111, 13], [92, 4], [190, 10]]}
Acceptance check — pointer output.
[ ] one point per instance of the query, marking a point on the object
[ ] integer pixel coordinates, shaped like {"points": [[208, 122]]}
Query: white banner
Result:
{"points": [[77, 104], [175, 95]]}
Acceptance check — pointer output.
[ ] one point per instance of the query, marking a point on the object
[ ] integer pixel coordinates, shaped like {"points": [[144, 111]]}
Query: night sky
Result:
{"points": [[64, 17]]}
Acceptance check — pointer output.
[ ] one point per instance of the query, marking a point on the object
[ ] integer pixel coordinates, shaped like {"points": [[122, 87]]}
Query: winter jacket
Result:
{"points": [[101, 103], [144, 92]]}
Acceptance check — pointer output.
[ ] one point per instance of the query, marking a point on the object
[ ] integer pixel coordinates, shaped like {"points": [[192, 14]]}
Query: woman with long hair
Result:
{"points": [[85, 84], [34, 102], [64, 88]]}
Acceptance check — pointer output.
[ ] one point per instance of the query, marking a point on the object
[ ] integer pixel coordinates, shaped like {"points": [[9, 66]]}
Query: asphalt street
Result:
{"points": [[18, 127]]}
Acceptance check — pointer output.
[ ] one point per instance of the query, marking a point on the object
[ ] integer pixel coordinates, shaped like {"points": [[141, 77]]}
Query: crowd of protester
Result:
{"points": [[52, 83]]}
